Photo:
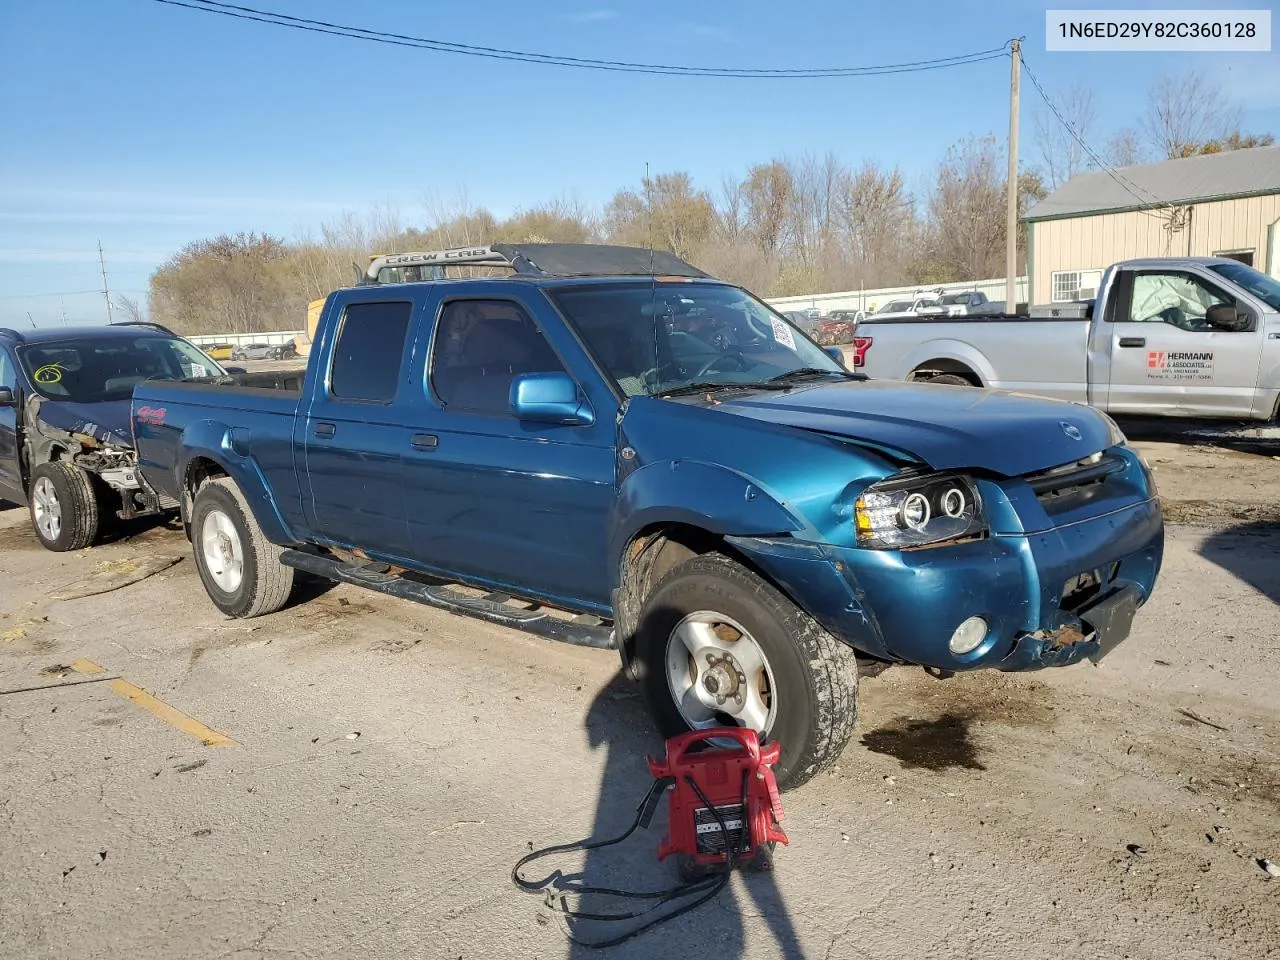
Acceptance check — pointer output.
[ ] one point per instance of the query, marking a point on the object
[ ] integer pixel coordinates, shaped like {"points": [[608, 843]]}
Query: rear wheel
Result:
{"points": [[719, 646], [64, 509], [239, 566]]}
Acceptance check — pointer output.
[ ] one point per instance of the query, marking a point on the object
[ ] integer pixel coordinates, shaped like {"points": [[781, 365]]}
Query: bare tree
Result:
{"points": [[1185, 111], [1061, 153], [1125, 149], [966, 212], [131, 309]]}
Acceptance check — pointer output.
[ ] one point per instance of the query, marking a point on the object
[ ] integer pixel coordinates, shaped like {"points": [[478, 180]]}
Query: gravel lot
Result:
{"points": [[389, 763]]}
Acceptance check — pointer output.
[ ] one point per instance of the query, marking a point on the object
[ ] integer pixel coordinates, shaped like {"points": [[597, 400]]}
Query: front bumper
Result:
{"points": [[1051, 598]]}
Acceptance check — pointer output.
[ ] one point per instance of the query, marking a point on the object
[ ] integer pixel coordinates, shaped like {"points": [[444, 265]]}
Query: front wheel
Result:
{"points": [[239, 566], [719, 646], [64, 508]]}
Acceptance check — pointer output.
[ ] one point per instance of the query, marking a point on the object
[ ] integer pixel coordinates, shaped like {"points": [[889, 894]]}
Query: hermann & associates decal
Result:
{"points": [[1179, 365]]}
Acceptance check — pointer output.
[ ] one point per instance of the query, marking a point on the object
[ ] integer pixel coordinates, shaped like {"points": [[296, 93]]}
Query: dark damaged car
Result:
{"points": [[66, 444]]}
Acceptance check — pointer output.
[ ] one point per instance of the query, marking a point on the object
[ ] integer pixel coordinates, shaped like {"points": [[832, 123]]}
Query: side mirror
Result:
{"points": [[235, 369], [6, 397], [1225, 316], [549, 398], [836, 354]]}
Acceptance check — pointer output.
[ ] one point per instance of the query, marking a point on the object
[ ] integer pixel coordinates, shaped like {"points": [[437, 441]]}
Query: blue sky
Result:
{"points": [[146, 126]]}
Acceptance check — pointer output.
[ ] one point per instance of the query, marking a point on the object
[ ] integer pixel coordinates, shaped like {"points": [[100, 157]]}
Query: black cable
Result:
{"points": [[497, 53], [1125, 184], [707, 888]]}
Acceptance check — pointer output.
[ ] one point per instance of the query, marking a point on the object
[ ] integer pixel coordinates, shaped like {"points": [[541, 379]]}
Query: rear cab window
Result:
{"points": [[370, 351]]}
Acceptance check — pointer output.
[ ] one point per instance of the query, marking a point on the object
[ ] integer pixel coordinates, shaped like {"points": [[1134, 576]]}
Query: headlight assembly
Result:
{"points": [[1115, 436], [918, 511]]}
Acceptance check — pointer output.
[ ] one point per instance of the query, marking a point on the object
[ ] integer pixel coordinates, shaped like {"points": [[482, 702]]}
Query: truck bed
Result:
{"points": [[1047, 356]]}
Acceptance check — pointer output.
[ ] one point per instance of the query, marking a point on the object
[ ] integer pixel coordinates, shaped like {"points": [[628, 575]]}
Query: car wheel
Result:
{"points": [[64, 508], [952, 378], [717, 645], [239, 566]]}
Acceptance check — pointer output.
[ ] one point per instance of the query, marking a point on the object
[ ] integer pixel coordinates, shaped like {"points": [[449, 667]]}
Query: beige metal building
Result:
{"points": [[1224, 204]]}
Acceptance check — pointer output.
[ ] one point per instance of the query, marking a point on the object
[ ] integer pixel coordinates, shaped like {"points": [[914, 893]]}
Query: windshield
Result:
{"points": [[1259, 284], [99, 369], [895, 306], [654, 338], [953, 298]]}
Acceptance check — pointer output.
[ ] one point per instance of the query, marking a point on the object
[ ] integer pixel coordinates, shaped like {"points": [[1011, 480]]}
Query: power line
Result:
{"points": [[620, 66], [1126, 184]]}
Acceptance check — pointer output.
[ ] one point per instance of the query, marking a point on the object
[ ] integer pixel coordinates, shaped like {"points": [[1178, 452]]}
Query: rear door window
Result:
{"points": [[369, 354]]}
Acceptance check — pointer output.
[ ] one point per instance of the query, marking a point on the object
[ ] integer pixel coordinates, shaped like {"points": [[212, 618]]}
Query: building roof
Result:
{"points": [[1216, 176]]}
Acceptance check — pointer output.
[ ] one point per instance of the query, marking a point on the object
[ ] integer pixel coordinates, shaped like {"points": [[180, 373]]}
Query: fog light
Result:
{"points": [[968, 635]]}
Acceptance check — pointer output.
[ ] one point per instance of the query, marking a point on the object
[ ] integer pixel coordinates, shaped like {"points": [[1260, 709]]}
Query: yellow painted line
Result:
{"points": [[170, 715], [158, 708]]}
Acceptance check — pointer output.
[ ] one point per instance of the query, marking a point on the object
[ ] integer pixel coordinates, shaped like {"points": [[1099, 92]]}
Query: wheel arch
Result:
{"points": [[949, 356], [204, 461], [652, 553]]}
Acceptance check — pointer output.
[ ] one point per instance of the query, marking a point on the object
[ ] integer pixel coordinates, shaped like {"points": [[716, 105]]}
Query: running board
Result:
{"points": [[582, 630]]}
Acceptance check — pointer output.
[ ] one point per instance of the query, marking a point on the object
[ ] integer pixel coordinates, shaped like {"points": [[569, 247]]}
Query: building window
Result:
{"points": [[1244, 256], [1066, 285]]}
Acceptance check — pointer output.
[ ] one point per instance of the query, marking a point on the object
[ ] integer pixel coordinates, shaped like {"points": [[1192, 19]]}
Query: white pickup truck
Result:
{"points": [[1170, 337]]}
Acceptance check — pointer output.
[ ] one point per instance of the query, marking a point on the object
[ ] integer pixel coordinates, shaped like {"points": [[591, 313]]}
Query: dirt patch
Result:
{"points": [[927, 744], [1219, 513], [19, 537], [929, 724]]}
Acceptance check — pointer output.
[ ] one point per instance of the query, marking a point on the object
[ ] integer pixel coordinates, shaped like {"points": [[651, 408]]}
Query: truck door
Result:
{"points": [[354, 426], [494, 498], [1166, 359], [10, 473]]}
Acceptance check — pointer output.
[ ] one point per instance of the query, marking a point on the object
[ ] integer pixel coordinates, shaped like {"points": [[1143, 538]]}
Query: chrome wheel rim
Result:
{"points": [[223, 552], [718, 674], [46, 508]]}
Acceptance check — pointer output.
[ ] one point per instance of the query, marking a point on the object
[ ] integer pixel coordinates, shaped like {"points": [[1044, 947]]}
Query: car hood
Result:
{"points": [[948, 427], [106, 422]]}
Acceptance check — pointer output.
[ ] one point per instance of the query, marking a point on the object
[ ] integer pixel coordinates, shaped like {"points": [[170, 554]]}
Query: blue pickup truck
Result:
{"points": [[606, 446]]}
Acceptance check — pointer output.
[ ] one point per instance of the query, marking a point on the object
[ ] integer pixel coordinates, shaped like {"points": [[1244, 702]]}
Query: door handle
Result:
{"points": [[424, 441], [1133, 341], [325, 429]]}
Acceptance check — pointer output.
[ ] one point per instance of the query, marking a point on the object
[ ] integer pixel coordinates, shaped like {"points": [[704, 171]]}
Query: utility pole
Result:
{"points": [[1011, 219], [106, 293], [63, 304]]}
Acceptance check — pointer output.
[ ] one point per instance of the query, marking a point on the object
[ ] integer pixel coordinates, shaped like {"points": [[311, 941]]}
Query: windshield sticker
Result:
{"points": [[49, 373], [782, 333], [1179, 365]]}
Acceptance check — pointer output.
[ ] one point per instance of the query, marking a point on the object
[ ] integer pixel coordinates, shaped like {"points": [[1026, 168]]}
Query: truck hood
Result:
{"points": [[107, 422], [948, 427]]}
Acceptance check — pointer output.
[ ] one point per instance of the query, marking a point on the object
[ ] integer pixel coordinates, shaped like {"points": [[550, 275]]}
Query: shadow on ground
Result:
{"points": [[1250, 553]]}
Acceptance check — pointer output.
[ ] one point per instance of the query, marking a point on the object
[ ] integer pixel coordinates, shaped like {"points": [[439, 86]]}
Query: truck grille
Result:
{"points": [[1053, 487]]}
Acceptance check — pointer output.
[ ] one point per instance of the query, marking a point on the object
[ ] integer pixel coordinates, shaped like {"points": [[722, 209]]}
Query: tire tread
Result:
{"points": [[273, 581]]}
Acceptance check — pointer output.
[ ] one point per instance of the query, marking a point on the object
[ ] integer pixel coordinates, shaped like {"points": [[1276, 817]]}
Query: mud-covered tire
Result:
{"points": [[814, 675], [239, 566], [63, 506], [954, 379]]}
